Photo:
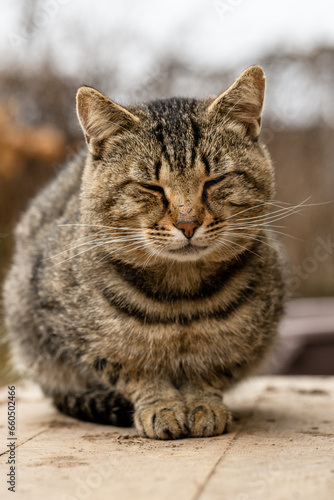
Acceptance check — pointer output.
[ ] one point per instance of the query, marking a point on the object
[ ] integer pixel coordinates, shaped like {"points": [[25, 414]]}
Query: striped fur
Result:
{"points": [[145, 280]]}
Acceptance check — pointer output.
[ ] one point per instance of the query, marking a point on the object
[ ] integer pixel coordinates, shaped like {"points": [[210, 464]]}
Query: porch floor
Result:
{"points": [[281, 447]]}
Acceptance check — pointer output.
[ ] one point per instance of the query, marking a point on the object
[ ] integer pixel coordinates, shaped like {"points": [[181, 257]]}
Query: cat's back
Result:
{"points": [[54, 203], [37, 232]]}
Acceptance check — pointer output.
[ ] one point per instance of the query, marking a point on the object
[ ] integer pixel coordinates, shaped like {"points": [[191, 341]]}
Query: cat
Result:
{"points": [[145, 280]]}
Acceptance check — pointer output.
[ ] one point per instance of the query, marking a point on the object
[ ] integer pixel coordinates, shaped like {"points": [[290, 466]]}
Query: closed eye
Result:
{"points": [[213, 182], [157, 189], [208, 184], [153, 187]]}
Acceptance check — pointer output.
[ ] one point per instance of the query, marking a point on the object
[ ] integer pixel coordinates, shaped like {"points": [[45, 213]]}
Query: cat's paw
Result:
{"points": [[208, 418], [161, 421]]}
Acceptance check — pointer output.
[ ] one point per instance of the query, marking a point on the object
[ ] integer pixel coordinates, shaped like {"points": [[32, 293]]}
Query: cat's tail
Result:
{"points": [[100, 406]]}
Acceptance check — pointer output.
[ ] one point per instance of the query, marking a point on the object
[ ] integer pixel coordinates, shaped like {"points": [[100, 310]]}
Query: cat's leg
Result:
{"points": [[82, 393], [206, 413], [155, 407], [160, 411], [103, 406]]}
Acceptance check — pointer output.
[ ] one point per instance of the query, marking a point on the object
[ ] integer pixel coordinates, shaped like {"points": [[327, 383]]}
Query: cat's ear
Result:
{"points": [[101, 118], [242, 102]]}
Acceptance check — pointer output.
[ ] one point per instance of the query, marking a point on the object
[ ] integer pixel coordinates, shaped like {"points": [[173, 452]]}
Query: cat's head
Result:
{"points": [[181, 179]]}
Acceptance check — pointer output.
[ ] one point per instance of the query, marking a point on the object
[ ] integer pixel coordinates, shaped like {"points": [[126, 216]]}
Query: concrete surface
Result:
{"points": [[281, 447]]}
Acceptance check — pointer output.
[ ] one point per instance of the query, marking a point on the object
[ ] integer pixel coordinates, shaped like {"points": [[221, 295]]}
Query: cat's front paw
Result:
{"points": [[208, 418], [161, 421]]}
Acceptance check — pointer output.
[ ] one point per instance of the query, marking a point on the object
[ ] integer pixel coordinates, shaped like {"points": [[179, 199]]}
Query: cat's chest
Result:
{"points": [[161, 333], [171, 346]]}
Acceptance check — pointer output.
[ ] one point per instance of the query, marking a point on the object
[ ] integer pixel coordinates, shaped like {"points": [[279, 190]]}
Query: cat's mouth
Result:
{"points": [[188, 249]]}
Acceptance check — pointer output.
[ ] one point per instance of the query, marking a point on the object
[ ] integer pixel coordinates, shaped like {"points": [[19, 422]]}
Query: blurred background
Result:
{"points": [[137, 51]]}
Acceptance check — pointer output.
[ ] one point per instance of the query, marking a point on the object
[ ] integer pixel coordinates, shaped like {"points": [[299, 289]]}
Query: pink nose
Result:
{"points": [[188, 228]]}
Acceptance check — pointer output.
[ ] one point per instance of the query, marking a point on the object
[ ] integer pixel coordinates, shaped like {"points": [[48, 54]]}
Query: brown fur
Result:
{"points": [[145, 280]]}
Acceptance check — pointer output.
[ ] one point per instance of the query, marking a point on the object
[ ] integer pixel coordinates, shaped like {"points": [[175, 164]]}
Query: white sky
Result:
{"points": [[132, 35], [130, 39]]}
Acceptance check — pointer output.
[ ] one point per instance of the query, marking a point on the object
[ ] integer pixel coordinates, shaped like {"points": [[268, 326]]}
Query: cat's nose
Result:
{"points": [[188, 228]]}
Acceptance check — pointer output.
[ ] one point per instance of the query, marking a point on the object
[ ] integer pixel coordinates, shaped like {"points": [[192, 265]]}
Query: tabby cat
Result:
{"points": [[145, 280]]}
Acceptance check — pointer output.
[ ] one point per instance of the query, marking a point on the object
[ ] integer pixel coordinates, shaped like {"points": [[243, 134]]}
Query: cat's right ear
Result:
{"points": [[101, 118], [242, 102]]}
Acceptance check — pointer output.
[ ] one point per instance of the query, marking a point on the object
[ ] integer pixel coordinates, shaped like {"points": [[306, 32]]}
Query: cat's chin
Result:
{"points": [[187, 253]]}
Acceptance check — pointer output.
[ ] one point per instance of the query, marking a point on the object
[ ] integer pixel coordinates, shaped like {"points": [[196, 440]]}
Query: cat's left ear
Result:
{"points": [[242, 102], [101, 118]]}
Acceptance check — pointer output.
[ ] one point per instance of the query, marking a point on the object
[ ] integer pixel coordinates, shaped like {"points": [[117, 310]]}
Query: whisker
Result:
{"points": [[257, 206], [125, 251], [288, 210], [260, 240], [286, 234], [153, 253], [107, 227], [275, 216], [71, 248], [282, 216], [254, 225], [105, 241], [294, 208], [265, 225], [241, 246], [87, 250]]}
